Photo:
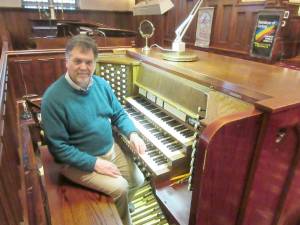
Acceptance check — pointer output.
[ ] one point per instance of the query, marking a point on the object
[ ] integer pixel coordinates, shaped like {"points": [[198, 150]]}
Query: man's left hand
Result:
{"points": [[137, 144]]}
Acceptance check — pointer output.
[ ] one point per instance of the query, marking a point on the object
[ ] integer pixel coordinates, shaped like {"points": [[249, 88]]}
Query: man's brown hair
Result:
{"points": [[82, 41]]}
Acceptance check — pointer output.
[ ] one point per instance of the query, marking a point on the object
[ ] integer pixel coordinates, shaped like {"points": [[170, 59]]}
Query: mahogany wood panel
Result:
{"points": [[169, 196], [32, 75], [291, 34], [223, 158], [10, 207], [20, 29], [232, 25], [33, 196], [291, 210], [275, 170]]}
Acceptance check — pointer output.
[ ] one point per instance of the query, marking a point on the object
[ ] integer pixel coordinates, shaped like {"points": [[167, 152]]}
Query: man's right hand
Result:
{"points": [[106, 168]]}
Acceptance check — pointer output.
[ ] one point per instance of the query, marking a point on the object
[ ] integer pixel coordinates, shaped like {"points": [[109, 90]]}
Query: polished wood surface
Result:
{"points": [[175, 200], [234, 76], [72, 204]]}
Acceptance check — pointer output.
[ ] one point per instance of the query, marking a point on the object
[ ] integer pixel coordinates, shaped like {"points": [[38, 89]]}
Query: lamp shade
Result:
{"points": [[152, 7]]}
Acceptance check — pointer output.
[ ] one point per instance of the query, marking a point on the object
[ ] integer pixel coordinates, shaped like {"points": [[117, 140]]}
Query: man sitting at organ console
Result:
{"points": [[78, 111]]}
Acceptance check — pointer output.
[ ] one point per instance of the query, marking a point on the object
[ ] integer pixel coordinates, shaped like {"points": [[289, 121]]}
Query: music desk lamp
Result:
{"points": [[158, 7], [152, 7], [178, 52]]}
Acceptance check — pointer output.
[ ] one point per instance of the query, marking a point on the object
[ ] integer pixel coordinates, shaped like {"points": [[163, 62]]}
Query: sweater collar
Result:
{"points": [[77, 87]]}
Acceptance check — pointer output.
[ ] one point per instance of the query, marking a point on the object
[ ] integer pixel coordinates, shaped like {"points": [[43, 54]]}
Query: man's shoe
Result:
{"points": [[131, 207]]}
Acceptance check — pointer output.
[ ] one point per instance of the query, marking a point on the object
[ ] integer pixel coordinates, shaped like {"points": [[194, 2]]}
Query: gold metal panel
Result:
{"points": [[185, 95], [119, 71]]}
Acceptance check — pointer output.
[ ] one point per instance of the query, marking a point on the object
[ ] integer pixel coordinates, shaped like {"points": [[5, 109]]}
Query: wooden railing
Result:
{"points": [[3, 75], [10, 179]]}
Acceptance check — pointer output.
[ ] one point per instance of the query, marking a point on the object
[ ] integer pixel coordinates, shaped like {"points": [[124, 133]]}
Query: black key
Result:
{"points": [[188, 133], [151, 149], [149, 107], [175, 147], [134, 114], [157, 158], [160, 161], [144, 122], [161, 114], [155, 110], [149, 126], [170, 139], [167, 119], [174, 123], [180, 128]]}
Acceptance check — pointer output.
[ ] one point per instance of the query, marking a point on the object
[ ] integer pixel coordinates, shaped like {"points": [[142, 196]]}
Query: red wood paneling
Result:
{"points": [[223, 159], [279, 149], [33, 76], [20, 29]]}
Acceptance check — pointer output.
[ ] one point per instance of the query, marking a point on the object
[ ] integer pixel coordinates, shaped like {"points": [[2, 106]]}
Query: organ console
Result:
{"points": [[170, 113], [222, 137]]}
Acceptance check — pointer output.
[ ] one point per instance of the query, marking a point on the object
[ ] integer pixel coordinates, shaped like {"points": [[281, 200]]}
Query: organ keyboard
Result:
{"points": [[172, 126], [169, 112]]}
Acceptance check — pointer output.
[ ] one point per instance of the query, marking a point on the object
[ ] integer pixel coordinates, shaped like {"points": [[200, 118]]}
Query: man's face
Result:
{"points": [[80, 66]]}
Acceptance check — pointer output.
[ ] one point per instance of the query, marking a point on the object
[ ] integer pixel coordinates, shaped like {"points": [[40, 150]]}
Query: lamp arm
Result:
{"points": [[180, 31]]}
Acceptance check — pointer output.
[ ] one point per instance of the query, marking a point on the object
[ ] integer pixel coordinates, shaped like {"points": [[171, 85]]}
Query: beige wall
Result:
{"points": [[109, 5], [10, 3]]}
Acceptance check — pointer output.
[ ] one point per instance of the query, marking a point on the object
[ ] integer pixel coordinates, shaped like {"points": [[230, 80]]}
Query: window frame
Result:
{"points": [[44, 5]]}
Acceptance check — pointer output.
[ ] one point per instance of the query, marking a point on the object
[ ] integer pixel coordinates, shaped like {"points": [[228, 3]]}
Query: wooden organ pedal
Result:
{"points": [[170, 112]]}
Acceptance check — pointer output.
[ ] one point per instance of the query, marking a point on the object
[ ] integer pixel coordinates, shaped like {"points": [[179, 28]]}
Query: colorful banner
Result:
{"points": [[265, 34], [204, 24]]}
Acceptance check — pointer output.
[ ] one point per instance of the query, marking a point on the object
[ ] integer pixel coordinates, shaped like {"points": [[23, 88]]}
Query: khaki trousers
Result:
{"points": [[121, 188]]}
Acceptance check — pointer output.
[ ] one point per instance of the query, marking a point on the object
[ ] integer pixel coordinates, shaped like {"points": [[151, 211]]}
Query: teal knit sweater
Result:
{"points": [[78, 124]]}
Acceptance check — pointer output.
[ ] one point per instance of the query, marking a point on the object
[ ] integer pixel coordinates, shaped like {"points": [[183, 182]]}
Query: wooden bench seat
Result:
{"points": [[72, 204]]}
